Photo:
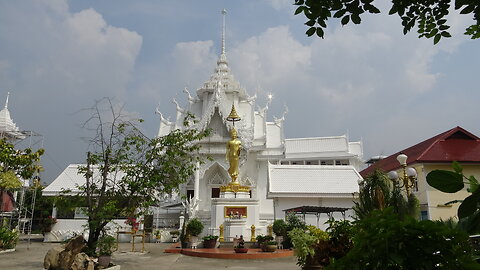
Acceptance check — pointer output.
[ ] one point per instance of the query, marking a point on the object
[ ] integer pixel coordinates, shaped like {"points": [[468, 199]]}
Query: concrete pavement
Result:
{"points": [[28, 257]]}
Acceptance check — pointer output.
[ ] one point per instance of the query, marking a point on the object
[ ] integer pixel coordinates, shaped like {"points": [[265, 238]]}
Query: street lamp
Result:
{"points": [[409, 175]]}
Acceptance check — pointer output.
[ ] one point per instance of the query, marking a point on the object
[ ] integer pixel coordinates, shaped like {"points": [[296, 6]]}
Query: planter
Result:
{"points": [[241, 250], [209, 243], [104, 260], [269, 248]]}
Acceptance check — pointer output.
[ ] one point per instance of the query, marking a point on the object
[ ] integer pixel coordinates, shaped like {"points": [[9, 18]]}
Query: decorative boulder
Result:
{"points": [[62, 259]]}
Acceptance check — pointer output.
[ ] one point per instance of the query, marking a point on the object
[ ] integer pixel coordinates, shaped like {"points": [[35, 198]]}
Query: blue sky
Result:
{"points": [[368, 81]]}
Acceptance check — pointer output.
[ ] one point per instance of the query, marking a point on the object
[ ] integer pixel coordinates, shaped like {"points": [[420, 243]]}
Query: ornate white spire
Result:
{"points": [[7, 126], [6, 101], [224, 12]]}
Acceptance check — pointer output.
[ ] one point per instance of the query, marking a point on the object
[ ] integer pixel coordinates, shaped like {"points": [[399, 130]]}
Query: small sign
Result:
{"points": [[235, 211]]}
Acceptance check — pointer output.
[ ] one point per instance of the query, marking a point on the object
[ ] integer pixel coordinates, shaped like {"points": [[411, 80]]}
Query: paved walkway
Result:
{"points": [[31, 257]]}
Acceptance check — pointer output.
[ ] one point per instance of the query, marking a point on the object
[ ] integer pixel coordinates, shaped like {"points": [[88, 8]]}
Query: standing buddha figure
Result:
{"points": [[234, 146]]}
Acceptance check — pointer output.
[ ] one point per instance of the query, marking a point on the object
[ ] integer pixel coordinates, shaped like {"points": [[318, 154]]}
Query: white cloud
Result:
{"points": [[56, 62]]}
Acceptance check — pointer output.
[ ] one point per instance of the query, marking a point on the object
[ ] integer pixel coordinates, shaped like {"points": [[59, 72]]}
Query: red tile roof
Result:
{"points": [[455, 144]]}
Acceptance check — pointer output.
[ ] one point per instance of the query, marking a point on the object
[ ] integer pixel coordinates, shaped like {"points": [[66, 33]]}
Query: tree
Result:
{"points": [[376, 193], [429, 15], [16, 163], [127, 171]]}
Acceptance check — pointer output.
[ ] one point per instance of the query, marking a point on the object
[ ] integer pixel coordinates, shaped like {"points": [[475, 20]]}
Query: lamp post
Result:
{"points": [[409, 175]]}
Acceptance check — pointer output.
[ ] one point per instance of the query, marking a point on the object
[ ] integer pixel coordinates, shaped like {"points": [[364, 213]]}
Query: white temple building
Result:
{"points": [[281, 173]]}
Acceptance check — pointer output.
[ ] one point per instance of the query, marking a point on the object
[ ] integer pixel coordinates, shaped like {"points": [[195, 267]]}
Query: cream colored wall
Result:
{"points": [[437, 197]]}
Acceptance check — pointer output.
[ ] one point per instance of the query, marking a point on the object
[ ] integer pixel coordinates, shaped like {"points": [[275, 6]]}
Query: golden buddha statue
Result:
{"points": [[233, 155]]}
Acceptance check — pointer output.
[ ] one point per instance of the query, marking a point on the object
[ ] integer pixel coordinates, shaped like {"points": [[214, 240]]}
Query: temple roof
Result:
{"points": [[456, 144], [70, 179], [312, 181]]}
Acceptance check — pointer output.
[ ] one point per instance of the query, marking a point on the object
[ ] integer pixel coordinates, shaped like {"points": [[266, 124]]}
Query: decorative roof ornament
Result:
{"points": [[224, 12], [233, 116]]}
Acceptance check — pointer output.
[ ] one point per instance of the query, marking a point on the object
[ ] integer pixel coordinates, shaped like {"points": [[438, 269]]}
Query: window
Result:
{"points": [[190, 193], [215, 192], [311, 162], [424, 215]]}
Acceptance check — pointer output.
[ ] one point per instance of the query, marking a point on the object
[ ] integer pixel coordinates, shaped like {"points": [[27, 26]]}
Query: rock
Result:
{"points": [[62, 259], [80, 261], [51, 259]]}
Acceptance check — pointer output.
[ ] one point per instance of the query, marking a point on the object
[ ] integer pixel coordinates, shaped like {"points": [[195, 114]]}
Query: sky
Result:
{"points": [[367, 81]]}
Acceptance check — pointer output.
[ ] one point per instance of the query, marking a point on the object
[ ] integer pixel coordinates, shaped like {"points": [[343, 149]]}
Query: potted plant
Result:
{"points": [[106, 245], [262, 241], [210, 241], [194, 228], [270, 246], [280, 229], [240, 247]]}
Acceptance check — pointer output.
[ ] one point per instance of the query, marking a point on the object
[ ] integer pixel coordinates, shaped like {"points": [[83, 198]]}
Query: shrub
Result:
{"points": [[263, 238], [194, 227], [174, 233], [8, 238], [210, 237], [383, 241], [106, 244], [280, 227]]}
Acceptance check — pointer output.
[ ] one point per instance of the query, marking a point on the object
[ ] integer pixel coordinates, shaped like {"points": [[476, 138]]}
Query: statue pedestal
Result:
{"points": [[235, 228], [230, 195], [236, 214]]}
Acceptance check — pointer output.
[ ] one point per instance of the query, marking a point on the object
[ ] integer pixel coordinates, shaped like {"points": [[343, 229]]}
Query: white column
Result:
{"points": [[197, 183]]}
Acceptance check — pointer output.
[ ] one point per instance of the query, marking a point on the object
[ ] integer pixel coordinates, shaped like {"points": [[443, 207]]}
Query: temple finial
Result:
{"points": [[224, 12], [6, 101]]}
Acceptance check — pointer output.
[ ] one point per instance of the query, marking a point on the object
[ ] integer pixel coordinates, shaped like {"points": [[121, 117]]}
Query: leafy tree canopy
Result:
{"points": [[377, 193], [428, 15], [126, 171]]}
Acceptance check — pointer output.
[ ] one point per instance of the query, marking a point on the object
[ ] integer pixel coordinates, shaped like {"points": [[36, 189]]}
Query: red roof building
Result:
{"points": [[438, 152]]}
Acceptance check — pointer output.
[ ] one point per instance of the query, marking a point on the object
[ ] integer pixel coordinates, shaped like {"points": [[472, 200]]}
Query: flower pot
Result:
{"points": [[270, 248], [209, 243], [104, 260], [241, 250]]}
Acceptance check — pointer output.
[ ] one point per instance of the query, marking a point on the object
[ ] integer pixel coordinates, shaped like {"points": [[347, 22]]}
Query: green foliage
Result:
{"points": [[316, 247], [194, 227], [17, 163], [451, 182], [376, 193], [430, 16], [263, 238], [304, 245], [279, 227], [210, 237], [127, 172], [9, 181], [383, 241], [8, 238], [293, 221], [106, 245]]}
